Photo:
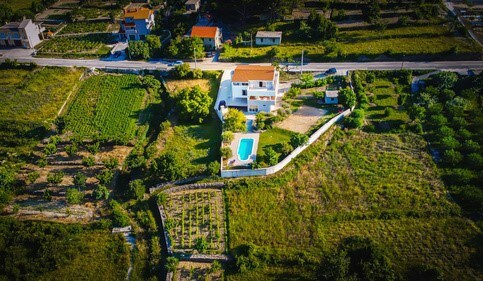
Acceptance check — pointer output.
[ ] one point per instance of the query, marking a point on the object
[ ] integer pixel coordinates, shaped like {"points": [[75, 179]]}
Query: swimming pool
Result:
{"points": [[245, 149]]}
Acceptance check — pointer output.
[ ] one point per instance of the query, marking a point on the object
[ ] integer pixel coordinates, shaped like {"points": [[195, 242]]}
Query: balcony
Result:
{"points": [[262, 98]]}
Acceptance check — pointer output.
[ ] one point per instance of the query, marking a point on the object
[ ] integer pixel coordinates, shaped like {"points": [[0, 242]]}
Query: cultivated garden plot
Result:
{"points": [[107, 107], [91, 45], [188, 271], [196, 221]]}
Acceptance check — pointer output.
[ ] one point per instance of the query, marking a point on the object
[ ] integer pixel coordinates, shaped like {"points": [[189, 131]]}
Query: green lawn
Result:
{"points": [[107, 106], [430, 39], [29, 100], [272, 137], [383, 186], [18, 4]]}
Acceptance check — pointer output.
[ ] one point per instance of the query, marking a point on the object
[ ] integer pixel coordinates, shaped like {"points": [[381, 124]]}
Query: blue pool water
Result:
{"points": [[245, 149]]}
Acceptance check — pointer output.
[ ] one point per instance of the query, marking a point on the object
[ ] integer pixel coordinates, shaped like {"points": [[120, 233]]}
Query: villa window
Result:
{"points": [[244, 92], [244, 84], [273, 40], [261, 39], [260, 84]]}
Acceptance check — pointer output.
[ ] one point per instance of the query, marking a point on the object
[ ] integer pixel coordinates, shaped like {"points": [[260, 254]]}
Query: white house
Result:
{"points": [[211, 36], [268, 38], [24, 34], [256, 86], [137, 23], [332, 97], [192, 6]]}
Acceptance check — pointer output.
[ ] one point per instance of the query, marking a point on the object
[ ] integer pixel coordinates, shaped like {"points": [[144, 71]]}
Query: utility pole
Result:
{"points": [[194, 51], [302, 63]]}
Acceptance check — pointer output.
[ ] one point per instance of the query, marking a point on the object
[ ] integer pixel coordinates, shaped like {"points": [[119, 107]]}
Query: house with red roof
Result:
{"points": [[137, 22], [211, 36]]}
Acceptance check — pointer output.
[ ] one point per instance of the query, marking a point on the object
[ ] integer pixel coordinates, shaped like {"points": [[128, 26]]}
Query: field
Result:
{"points": [[196, 214], [200, 142], [18, 4], [107, 106], [383, 186], [49, 251], [25, 108], [84, 27], [431, 40], [93, 45]]}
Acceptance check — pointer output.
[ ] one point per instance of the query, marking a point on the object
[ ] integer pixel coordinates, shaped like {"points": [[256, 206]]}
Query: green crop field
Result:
{"points": [[84, 27], [29, 100], [107, 106], [383, 186], [92, 45]]}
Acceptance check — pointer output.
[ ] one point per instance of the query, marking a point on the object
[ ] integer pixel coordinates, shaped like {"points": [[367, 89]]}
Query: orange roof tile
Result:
{"points": [[245, 73], [137, 13], [204, 31]]}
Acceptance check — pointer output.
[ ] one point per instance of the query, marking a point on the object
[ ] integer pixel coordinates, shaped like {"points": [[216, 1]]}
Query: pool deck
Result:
{"points": [[234, 160]]}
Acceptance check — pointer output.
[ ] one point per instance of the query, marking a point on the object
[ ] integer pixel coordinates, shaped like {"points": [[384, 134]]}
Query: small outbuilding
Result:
{"points": [[332, 97], [192, 6], [268, 38]]}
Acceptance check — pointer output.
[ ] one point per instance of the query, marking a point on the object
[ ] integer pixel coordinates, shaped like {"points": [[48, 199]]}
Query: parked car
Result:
{"points": [[178, 62], [331, 71]]}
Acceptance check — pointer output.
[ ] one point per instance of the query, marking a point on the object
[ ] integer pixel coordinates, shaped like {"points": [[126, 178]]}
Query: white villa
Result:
{"points": [[251, 88]]}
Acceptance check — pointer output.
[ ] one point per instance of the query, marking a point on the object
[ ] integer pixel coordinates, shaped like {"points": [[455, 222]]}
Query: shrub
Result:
{"points": [[227, 136], [452, 157], [74, 196], [213, 168], [111, 163], [475, 160], [271, 156], [72, 149], [172, 264], [460, 176], [298, 139], [119, 216], [319, 95], [170, 166], [226, 152], [138, 50], [137, 189], [471, 146], [93, 148], [105, 176], [347, 97], [450, 143], [101, 192], [50, 149], [234, 120], [389, 111], [197, 73], [80, 180], [32, 177], [55, 178], [88, 161], [181, 71], [42, 162], [293, 92], [162, 198], [201, 245]]}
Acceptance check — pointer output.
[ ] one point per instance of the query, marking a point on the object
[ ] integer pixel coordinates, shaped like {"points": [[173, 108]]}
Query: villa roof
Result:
{"points": [[192, 1], [332, 94], [204, 31], [137, 13], [269, 34], [245, 73], [11, 25]]}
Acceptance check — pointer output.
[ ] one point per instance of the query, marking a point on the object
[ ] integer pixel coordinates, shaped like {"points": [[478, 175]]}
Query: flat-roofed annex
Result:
{"points": [[245, 73]]}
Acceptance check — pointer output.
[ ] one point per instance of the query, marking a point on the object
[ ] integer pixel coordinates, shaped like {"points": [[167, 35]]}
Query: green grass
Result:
{"points": [[383, 186], [197, 145], [29, 101], [51, 251], [272, 137], [107, 106], [18, 4], [430, 40]]}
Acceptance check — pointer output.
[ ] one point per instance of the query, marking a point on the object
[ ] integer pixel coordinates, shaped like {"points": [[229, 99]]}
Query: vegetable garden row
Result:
{"points": [[107, 107]]}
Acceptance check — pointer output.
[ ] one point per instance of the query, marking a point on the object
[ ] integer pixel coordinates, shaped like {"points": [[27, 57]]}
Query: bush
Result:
{"points": [[50, 149], [271, 156], [32, 177], [234, 120], [88, 161], [213, 169], [298, 139], [101, 192], [452, 157], [74, 196], [181, 71], [226, 152], [389, 111], [55, 178], [172, 264], [105, 176], [201, 245], [42, 162], [119, 216], [162, 198], [197, 73], [170, 166], [293, 92], [137, 189], [227, 136], [80, 180], [72, 149], [111, 163], [138, 50]]}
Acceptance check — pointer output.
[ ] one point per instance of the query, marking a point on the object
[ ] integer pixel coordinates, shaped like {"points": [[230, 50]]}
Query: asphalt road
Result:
{"points": [[24, 56]]}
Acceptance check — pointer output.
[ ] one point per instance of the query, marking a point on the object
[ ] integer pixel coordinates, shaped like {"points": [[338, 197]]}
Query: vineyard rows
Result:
{"points": [[196, 214], [106, 106]]}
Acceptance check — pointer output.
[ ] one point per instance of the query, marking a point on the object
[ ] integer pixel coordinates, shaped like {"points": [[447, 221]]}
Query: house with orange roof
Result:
{"points": [[137, 22], [211, 36], [250, 88]]}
